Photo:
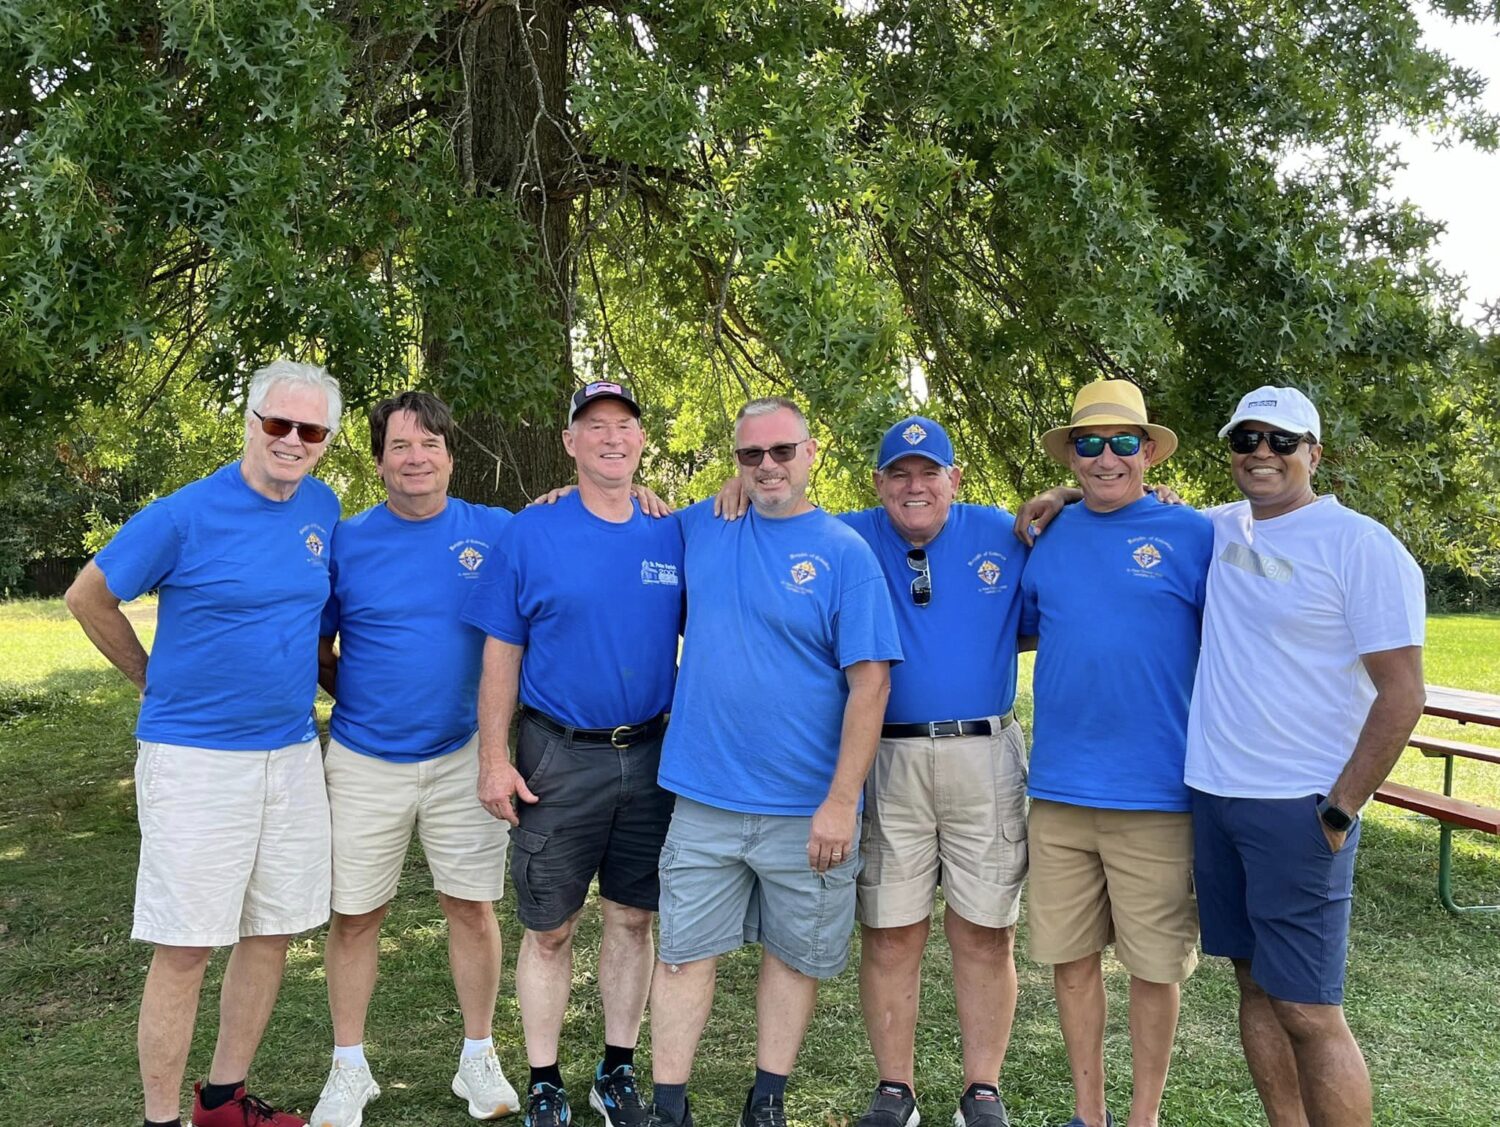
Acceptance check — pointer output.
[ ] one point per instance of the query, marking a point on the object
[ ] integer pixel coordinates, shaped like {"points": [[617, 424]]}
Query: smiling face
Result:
{"points": [[415, 466], [1273, 483], [605, 439], [1110, 482], [917, 494], [776, 489], [272, 466]]}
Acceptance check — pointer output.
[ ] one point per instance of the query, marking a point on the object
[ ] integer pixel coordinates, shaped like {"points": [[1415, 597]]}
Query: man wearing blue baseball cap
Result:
{"points": [[946, 799]]}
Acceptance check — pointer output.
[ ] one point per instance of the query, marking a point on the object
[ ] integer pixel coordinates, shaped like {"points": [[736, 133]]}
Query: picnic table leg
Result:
{"points": [[1445, 856]]}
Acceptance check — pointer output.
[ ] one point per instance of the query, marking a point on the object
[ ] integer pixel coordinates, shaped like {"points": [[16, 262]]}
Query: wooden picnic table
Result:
{"points": [[1463, 705], [1466, 707]]}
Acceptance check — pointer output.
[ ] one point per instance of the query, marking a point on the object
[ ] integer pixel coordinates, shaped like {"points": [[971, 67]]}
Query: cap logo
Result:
{"points": [[913, 434], [600, 386], [1261, 403]]}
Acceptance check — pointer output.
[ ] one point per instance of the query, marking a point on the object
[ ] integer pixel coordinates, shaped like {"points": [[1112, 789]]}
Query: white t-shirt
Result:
{"points": [[1281, 694]]}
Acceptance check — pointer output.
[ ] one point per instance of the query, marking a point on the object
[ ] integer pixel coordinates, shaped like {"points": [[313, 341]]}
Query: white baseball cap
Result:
{"points": [[1283, 407]]}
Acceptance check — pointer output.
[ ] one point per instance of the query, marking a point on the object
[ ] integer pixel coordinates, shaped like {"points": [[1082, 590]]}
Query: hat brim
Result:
{"points": [[600, 398], [899, 454], [1055, 441]]}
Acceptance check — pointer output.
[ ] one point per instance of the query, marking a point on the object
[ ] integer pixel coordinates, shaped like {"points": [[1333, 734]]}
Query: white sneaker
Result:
{"points": [[342, 1103], [480, 1081]]}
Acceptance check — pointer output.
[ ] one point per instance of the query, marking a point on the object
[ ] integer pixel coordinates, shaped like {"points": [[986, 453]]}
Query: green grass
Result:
{"points": [[1423, 997]]}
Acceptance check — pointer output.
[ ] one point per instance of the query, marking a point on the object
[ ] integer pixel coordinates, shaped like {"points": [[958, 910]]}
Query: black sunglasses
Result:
{"points": [[752, 456], [277, 428], [1092, 445], [921, 584], [1243, 441]]}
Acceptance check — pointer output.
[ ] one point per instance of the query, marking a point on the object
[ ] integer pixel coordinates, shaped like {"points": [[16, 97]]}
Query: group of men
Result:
{"points": [[1216, 696]]}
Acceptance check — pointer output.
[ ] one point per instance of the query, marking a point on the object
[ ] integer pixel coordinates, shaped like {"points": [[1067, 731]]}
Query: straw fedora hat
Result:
{"points": [[1107, 403]]}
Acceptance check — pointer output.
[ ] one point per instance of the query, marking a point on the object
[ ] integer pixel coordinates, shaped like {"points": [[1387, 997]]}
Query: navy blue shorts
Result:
{"points": [[1271, 891]]}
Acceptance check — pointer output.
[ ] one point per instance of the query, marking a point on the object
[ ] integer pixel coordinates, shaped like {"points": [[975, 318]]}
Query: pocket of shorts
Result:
{"points": [[544, 761]]}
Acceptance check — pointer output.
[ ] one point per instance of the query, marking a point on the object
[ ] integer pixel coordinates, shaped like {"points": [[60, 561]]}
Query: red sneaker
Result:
{"points": [[244, 1110]]}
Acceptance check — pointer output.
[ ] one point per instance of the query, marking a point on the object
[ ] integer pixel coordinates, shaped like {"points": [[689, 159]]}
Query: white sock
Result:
{"points": [[474, 1048], [350, 1056]]}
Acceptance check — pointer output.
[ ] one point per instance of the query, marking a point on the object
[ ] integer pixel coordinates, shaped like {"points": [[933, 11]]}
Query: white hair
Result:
{"points": [[289, 373], [769, 405]]}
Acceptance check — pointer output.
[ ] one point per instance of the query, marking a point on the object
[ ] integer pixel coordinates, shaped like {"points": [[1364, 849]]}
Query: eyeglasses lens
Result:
{"points": [[278, 428], [1248, 441], [1092, 445]]}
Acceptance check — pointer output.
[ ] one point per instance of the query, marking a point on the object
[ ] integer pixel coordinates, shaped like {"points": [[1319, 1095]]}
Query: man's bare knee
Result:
{"points": [[1307, 1023], [893, 946], [471, 914], [628, 922], [181, 960], [356, 925], [555, 942]]}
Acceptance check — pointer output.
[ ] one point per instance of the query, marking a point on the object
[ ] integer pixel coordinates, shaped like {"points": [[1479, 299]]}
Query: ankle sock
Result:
{"points": [[670, 1099], [902, 1084], [768, 1085], [615, 1056], [163, 1122], [473, 1048], [975, 1088], [217, 1095], [350, 1056], [547, 1074]]}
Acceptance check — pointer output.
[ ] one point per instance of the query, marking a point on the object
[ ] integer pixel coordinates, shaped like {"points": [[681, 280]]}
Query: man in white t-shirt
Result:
{"points": [[1309, 685]]}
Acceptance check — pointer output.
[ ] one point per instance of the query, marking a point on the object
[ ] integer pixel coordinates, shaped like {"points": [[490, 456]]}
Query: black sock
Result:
{"points": [[768, 1086], [163, 1122], [671, 1099], [547, 1074], [217, 1095], [615, 1056]]}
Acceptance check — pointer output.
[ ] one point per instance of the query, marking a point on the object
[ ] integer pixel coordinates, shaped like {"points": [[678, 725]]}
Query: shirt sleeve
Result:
{"points": [[142, 554], [1385, 601], [866, 622], [329, 626], [1031, 615], [494, 605]]}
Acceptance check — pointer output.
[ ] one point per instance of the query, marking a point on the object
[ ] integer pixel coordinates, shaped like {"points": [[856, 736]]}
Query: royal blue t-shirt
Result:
{"points": [[408, 674], [960, 649], [598, 606], [778, 610], [243, 580], [1117, 599]]}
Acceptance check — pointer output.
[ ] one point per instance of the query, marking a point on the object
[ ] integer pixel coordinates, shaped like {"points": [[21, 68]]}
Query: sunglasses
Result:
{"points": [[921, 584], [1092, 445], [1243, 441], [310, 433], [752, 456]]}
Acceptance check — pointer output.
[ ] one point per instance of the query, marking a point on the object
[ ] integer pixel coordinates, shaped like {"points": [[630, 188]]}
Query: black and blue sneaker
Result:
{"points": [[547, 1106], [768, 1111], [659, 1117], [615, 1096]]}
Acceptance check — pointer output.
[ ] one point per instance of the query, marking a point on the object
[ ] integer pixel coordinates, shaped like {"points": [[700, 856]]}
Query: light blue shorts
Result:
{"points": [[729, 878]]}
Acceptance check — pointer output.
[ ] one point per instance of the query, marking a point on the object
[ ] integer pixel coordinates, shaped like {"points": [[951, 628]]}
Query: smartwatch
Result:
{"points": [[1336, 818]]}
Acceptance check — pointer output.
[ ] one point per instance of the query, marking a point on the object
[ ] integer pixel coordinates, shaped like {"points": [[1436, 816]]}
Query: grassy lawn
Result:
{"points": [[1424, 987]]}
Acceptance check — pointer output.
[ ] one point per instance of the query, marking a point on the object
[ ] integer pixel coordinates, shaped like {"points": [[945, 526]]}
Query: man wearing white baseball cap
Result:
{"points": [[1309, 685]]}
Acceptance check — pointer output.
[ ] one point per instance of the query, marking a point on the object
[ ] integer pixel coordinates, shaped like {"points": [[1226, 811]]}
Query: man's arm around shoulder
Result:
{"points": [[97, 610], [834, 822]]}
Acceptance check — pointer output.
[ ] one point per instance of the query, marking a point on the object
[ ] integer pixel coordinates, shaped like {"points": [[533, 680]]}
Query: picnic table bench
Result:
{"points": [[1467, 708]]}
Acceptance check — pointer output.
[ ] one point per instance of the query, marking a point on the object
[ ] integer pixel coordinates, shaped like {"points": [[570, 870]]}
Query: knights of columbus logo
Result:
{"points": [[803, 572], [469, 559], [989, 571], [314, 544], [913, 434], [1147, 556]]}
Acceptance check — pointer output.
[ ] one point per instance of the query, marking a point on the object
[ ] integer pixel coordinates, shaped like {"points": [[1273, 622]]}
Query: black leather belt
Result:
{"points": [[938, 729], [623, 736]]}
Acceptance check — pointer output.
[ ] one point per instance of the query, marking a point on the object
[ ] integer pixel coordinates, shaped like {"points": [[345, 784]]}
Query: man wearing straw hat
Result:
{"points": [[1114, 594]]}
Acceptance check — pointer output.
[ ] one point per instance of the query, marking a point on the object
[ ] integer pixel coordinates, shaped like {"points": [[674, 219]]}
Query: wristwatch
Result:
{"points": [[1336, 818]]}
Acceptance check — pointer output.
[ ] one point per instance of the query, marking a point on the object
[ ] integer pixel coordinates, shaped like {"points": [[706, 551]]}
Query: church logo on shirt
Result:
{"points": [[654, 573], [469, 559], [913, 434], [470, 555], [989, 573], [315, 540], [803, 572], [1147, 556]]}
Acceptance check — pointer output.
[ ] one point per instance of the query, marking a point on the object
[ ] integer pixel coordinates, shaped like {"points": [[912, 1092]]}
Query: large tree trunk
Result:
{"points": [[516, 144]]}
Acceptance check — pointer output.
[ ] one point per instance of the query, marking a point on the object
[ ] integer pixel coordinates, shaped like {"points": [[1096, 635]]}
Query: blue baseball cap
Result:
{"points": [[915, 435]]}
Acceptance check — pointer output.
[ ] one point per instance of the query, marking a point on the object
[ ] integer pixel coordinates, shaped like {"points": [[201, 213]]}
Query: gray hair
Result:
{"points": [[289, 373], [769, 405]]}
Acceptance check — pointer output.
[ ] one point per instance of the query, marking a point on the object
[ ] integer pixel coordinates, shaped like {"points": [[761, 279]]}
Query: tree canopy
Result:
{"points": [[976, 206]]}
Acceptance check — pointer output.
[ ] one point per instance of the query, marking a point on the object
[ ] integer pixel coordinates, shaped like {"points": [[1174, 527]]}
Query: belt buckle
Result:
{"points": [[938, 729], [614, 736]]}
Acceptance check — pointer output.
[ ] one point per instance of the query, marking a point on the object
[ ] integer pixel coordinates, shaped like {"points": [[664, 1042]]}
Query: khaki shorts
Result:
{"points": [[948, 811], [233, 843], [1113, 875], [377, 804]]}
